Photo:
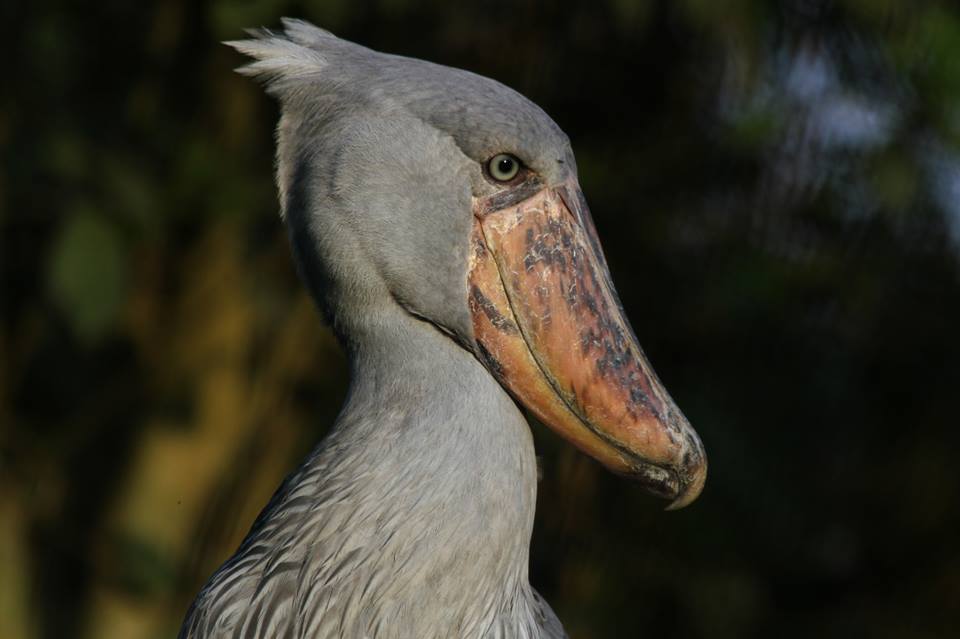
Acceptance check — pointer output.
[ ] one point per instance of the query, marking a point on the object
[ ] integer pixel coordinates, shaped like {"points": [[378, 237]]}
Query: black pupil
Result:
{"points": [[505, 166]]}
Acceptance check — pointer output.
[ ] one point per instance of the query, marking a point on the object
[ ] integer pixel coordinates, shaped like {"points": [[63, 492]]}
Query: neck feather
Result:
{"points": [[413, 517]]}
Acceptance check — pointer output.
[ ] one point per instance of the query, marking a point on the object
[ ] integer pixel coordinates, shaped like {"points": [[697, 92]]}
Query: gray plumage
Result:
{"points": [[412, 519]]}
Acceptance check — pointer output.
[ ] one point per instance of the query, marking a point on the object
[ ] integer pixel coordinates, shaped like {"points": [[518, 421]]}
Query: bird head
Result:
{"points": [[412, 184]]}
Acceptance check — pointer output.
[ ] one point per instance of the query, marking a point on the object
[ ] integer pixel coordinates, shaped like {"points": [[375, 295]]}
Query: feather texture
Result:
{"points": [[412, 519]]}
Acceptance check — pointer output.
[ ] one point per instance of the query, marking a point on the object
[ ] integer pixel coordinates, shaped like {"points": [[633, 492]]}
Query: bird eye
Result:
{"points": [[503, 167]]}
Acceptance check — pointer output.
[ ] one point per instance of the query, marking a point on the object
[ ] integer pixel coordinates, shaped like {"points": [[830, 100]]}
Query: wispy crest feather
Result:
{"points": [[284, 57]]}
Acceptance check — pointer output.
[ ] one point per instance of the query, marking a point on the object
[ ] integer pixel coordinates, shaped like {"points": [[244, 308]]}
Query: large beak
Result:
{"points": [[549, 325]]}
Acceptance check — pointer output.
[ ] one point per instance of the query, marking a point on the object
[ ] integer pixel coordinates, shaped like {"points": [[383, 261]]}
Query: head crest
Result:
{"points": [[287, 57]]}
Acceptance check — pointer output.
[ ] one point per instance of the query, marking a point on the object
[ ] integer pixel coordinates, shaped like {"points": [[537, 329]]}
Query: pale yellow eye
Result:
{"points": [[503, 167]]}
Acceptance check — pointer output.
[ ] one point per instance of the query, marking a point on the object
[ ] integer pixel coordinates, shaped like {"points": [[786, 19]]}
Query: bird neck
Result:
{"points": [[424, 491], [447, 445]]}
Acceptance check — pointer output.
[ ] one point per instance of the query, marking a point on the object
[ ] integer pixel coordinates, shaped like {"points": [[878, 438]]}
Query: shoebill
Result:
{"points": [[436, 217]]}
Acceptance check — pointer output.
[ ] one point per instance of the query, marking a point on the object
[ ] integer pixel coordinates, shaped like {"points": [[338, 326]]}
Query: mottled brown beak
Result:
{"points": [[549, 325]]}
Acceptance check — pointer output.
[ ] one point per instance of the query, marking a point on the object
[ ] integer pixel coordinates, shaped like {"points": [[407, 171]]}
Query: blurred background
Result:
{"points": [[777, 185]]}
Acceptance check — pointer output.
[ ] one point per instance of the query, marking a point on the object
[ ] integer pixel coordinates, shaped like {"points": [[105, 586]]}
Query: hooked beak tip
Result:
{"points": [[691, 489], [680, 485]]}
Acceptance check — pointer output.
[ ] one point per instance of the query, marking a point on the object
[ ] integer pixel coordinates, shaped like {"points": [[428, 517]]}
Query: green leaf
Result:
{"points": [[88, 275]]}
